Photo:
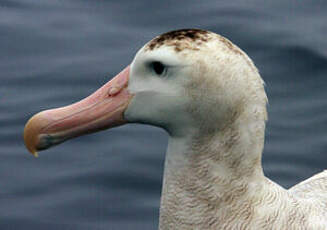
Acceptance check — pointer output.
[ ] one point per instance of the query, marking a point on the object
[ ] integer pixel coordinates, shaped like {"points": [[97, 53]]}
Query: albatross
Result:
{"points": [[209, 97]]}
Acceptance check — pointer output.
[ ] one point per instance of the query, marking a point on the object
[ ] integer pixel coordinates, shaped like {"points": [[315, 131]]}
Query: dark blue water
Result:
{"points": [[54, 52]]}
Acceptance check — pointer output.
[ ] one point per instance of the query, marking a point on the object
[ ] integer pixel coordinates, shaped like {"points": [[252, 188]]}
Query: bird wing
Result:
{"points": [[314, 189]]}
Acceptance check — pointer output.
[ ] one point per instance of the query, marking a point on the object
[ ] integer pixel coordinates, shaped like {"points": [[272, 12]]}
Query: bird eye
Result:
{"points": [[158, 67]]}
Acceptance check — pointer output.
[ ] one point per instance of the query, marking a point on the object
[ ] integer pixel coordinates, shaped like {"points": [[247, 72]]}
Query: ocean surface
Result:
{"points": [[55, 52]]}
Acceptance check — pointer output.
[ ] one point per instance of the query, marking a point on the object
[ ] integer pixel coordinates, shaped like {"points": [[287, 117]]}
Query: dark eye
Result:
{"points": [[158, 67]]}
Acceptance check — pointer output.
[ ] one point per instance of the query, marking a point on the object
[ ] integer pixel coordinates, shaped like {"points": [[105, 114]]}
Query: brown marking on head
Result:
{"points": [[180, 39], [230, 45], [236, 50]]}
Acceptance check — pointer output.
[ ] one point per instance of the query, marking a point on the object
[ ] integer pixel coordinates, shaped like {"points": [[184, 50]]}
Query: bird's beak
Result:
{"points": [[101, 110]]}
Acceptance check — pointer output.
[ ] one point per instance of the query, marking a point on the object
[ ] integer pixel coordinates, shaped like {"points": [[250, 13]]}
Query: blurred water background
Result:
{"points": [[55, 52]]}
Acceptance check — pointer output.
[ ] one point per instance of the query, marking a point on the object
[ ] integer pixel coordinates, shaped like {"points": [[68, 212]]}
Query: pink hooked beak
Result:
{"points": [[101, 110]]}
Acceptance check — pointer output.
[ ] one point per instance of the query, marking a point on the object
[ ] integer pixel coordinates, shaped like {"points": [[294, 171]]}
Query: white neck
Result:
{"points": [[210, 180]]}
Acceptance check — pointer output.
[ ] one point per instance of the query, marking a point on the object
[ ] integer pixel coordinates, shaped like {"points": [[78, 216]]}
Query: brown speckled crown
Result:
{"points": [[177, 39]]}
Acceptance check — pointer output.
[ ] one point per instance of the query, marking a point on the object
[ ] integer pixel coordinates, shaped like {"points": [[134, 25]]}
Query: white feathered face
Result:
{"points": [[188, 90], [157, 80]]}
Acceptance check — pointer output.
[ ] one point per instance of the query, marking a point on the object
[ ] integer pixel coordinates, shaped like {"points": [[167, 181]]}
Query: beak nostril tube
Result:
{"points": [[119, 84], [114, 90]]}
